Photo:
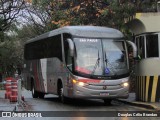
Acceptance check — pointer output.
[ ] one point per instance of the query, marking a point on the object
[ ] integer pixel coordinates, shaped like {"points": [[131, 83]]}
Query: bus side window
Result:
{"points": [[68, 58]]}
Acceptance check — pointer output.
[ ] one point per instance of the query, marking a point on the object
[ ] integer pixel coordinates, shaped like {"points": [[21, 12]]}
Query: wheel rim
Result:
{"points": [[61, 93], [33, 90]]}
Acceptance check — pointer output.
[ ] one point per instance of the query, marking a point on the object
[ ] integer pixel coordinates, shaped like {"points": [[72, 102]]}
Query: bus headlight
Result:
{"points": [[125, 84], [79, 83]]}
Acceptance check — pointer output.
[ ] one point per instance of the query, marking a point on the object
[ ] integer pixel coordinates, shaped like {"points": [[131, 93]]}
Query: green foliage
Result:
{"points": [[1, 36], [11, 52], [10, 57], [91, 12], [115, 14]]}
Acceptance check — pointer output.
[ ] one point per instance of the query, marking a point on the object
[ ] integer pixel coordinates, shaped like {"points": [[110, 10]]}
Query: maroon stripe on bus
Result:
{"points": [[89, 81], [36, 76]]}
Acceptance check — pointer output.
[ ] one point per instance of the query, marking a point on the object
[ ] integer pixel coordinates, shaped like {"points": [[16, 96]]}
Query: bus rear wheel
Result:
{"points": [[34, 92]]}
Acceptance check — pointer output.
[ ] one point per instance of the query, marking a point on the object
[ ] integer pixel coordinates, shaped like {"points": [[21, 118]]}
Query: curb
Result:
{"points": [[21, 106], [138, 104]]}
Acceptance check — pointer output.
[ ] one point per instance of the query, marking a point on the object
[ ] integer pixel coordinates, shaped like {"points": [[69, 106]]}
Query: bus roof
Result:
{"points": [[82, 31]]}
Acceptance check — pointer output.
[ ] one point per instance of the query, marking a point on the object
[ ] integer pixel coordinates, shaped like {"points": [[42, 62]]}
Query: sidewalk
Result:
{"points": [[132, 101], [5, 104]]}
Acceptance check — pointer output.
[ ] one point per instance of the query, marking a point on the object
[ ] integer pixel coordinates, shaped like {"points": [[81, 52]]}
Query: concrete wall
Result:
{"points": [[145, 22]]}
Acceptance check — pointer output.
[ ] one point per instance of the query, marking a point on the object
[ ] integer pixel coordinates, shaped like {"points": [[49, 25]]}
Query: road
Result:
{"points": [[51, 104]]}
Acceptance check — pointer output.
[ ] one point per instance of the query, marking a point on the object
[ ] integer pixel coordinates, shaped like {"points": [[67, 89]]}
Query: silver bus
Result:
{"points": [[78, 62]]}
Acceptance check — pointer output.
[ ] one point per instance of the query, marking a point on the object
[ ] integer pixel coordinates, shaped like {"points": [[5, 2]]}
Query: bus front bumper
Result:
{"points": [[83, 92]]}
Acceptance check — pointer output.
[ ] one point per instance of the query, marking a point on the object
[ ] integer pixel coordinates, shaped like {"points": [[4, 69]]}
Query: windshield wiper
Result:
{"points": [[105, 59], [97, 64], [107, 63]]}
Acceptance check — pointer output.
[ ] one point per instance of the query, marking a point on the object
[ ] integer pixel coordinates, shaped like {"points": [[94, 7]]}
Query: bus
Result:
{"points": [[86, 62]]}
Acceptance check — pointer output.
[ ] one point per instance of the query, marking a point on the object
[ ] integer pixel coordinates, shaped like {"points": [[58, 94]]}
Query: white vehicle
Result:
{"points": [[78, 62], [148, 70]]}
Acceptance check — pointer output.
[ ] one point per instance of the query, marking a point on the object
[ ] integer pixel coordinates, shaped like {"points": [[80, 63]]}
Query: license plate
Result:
{"points": [[104, 94]]}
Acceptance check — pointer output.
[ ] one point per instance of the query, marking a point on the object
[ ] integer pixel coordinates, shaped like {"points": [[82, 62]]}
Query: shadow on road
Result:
{"points": [[81, 102]]}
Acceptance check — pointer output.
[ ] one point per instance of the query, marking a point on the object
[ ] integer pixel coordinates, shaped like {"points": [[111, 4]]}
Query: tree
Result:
{"points": [[10, 56], [9, 10], [88, 12]]}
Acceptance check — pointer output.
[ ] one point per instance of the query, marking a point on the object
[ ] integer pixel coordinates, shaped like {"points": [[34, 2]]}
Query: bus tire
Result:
{"points": [[107, 101], [62, 98], [34, 92]]}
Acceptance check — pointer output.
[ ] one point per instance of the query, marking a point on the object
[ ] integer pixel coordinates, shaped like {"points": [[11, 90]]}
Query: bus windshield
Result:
{"points": [[100, 57]]}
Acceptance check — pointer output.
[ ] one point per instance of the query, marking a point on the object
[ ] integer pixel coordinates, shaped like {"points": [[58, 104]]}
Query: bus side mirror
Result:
{"points": [[71, 47], [134, 47]]}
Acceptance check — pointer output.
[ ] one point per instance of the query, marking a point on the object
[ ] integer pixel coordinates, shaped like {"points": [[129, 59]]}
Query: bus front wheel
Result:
{"points": [[34, 92], [62, 98]]}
